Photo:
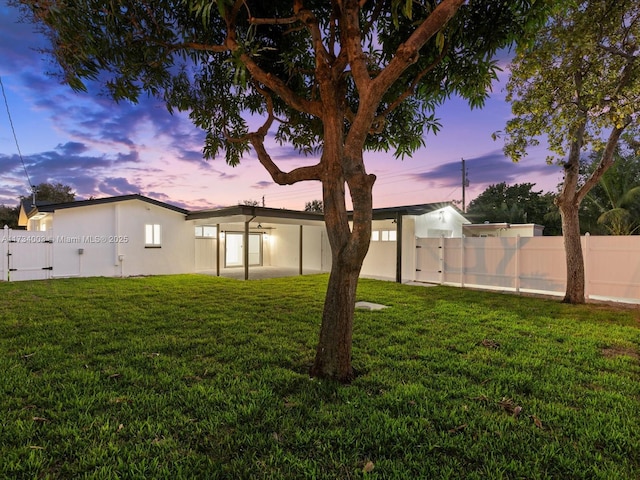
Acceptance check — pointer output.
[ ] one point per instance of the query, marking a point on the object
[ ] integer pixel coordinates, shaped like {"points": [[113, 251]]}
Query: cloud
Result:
{"points": [[262, 185], [491, 168], [72, 148], [117, 186]]}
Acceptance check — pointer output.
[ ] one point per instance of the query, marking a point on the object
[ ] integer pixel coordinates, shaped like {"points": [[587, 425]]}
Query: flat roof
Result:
{"points": [[243, 213]]}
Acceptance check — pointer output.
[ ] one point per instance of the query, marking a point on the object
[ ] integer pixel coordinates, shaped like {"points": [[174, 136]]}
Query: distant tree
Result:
{"points": [[250, 203], [9, 216], [52, 192], [334, 78], [314, 206], [517, 203], [613, 205], [578, 84]]}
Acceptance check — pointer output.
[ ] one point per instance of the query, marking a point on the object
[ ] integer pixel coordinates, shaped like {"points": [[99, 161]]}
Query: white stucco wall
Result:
{"points": [[380, 261], [316, 254], [408, 249], [112, 239], [205, 254], [284, 247]]}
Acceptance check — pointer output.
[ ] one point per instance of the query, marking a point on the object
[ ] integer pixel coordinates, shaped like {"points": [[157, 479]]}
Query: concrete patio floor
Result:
{"points": [[258, 273]]}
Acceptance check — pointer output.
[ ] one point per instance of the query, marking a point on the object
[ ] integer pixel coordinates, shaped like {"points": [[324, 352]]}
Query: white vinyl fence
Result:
{"points": [[25, 255], [532, 265]]}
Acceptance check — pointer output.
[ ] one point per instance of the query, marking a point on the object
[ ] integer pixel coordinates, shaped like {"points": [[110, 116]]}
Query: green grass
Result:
{"points": [[201, 377]]}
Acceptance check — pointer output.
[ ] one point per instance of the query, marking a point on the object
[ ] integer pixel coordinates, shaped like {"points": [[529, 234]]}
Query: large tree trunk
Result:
{"points": [[573, 252], [333, 355], [349, 246]]}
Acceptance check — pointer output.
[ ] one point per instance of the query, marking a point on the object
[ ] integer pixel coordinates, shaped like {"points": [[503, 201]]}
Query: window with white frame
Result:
{"points": [[384, 236], [388, 235], [206, 231], [152, 235]]}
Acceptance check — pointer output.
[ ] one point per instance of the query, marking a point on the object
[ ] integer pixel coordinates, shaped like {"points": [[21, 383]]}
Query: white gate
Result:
{"points": [[26, 255], [429, 258]]}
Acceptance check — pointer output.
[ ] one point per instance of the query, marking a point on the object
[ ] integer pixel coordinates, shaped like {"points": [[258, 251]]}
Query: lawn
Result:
{"points": [[200, 377]]}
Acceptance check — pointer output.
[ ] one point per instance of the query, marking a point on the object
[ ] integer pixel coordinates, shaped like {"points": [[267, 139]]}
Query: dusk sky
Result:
{"points": [[102, 149]]}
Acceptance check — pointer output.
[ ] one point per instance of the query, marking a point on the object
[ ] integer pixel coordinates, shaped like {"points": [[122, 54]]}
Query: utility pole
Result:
{"points": [[465, 184], [34, 190], [263, 200]]}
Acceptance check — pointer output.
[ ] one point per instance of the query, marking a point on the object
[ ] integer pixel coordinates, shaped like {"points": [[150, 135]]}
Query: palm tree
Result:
{"points": [[616, 198]]}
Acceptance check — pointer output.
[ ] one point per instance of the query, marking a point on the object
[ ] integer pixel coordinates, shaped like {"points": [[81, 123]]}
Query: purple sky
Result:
{"points": [[101, 149]]}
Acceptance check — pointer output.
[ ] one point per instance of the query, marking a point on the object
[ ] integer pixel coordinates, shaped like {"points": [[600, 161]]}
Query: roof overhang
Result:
{"points": [[487, 226], [52, 207], [246, 213]]}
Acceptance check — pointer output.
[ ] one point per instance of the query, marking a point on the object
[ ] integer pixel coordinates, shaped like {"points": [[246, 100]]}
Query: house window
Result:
{"points": [[206, 231], [389, 235], [152, 235], [375, 236]]}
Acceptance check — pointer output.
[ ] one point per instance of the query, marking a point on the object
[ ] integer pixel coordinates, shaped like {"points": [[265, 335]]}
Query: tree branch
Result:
{"points": [[606, 160], [352, 41], [407, 53], [616, 51], [412, 88], [204, 47], [272, 82], [257, 141], [312, 172]]}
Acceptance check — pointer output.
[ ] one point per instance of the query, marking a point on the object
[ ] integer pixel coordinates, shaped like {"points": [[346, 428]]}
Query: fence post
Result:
{"points": [[517, 260], [462, 261], [5, 249], [585, 256], [441, 259]]}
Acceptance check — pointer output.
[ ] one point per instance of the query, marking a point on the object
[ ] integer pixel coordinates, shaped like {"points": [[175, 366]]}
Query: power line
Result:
{"points": [[15, 138]]}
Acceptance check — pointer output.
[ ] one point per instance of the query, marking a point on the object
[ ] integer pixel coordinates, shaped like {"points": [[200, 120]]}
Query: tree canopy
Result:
{"points": [[52, 192], [612, 206], [577, 84], [314, 206], [518, 203], [333, 78], [580, 74]]}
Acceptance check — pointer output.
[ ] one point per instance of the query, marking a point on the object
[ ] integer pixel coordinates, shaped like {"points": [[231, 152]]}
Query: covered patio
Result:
{"points": [[249, 242]]}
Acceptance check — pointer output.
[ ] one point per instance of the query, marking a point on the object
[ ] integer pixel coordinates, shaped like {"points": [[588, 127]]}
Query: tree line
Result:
{"points": [[612, 206]]}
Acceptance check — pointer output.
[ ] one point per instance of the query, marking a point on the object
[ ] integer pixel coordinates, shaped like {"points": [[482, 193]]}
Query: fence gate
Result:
{"points": [[429, 258], [26, 255]]}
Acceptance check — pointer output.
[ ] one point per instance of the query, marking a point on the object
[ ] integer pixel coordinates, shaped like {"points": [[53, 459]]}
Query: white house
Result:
{"points": [[115, 236], [136, 235]]}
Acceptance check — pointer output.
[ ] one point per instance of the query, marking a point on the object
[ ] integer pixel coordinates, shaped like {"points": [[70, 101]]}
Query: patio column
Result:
{"points": [[399, 247], [245, 253], [218, 238], [301, 251]]}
